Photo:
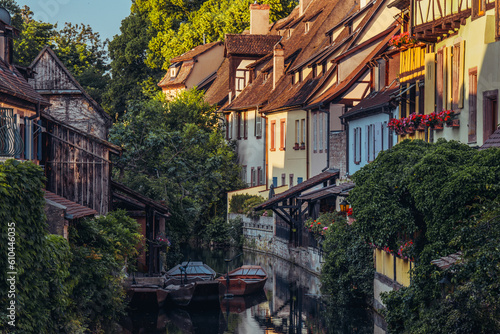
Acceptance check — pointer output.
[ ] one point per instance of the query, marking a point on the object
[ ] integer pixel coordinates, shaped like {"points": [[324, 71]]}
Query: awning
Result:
{"points": [[328, 191], [72, 209], [298, 189]]}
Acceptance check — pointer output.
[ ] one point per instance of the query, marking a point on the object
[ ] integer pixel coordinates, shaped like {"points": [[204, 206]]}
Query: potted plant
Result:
{"points": [[296, 146]]}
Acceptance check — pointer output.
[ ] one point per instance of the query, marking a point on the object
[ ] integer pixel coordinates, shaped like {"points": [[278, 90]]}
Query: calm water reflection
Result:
{"points": [[290, 303]]}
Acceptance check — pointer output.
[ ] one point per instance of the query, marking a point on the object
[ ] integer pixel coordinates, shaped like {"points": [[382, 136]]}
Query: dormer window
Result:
{"points": [[307, 27], [289, 33], [173, 72]]}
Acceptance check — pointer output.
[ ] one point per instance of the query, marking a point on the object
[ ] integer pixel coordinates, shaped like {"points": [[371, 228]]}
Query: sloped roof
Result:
{"points": [[181, 78], [200, 49], [492, 141], [217, 93], [299, 47], [327, 191], [73, 210], [299, 188], [374, 101], [250, 45], [336, 90], [13, 83], [447, 261], [118, 187], [91, 101]]}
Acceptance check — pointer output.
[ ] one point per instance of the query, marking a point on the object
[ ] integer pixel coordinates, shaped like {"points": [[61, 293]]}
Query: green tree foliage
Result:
{"points": [[131, 76], [176, 26], [426, 192], [176, 152]]}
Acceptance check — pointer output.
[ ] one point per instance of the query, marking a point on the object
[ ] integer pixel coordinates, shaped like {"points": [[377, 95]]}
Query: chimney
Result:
{"points": [[259, 19], [303, 6], [278, 63], [6, 37]]}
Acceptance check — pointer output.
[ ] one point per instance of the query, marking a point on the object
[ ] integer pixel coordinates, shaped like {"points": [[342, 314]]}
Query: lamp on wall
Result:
{"points": [[344, 206]]}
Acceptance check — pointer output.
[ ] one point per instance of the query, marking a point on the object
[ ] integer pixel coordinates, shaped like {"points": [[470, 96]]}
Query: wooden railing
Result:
{"points": [[393, 267]]}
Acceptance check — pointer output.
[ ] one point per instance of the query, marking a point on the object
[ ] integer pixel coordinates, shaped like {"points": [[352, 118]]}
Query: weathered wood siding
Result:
{"points": [[77, 167], [69, 104]]}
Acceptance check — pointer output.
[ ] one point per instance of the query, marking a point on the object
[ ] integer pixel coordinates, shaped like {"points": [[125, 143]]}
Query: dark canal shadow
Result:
{"points": [[290, 303]]}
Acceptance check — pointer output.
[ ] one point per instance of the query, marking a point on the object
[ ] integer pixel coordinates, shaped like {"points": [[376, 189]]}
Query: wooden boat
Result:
{"points": [[244, 280], [188, 272], [147, 295], [192, 283], [195, 293]]}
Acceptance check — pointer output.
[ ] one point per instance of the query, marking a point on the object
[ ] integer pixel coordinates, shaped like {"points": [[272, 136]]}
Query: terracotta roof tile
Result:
{"points": [[257, 45], [299, 188], [374, 101], [73, 210], [195, 52], [180, 79], [492, 141], [217, 93], [327, 191], [13, 83]]}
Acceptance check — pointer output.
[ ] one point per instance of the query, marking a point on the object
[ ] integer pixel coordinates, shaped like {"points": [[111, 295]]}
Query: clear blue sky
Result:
{"points": [[104, 16]]}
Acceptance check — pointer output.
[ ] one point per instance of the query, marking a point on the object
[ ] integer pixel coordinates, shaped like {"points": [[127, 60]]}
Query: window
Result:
{"points": [[458, 75], [229, 127], [297, 133], [357, 145], [283, 179], [321, 139], [300, 180], [254, 179], [315, 126], [240, 125], [275, 181], [244, 173], [291, 180], [490, 113], [369, 143], [173, 72], [272, 140], [439, 81], [303, 136], [260, 176], [473, 105], [245, 125], [258, 124], [282, 134], [306, 27], [478, 7]]}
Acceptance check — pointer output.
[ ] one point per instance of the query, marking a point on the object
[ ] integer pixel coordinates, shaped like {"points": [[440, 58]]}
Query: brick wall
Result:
{"points": [[338, 144]]}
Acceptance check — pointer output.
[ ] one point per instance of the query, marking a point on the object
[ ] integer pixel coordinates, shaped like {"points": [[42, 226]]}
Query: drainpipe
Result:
{"points": [[37, 114], [327, 111], [266, 158]]}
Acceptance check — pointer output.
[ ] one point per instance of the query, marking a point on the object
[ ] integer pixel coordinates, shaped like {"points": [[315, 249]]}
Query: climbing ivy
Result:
{"points": [[60, 287], [429, 193]]}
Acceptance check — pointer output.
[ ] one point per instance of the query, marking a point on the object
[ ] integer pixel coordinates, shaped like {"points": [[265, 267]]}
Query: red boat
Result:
{"points": [[245, 280]]}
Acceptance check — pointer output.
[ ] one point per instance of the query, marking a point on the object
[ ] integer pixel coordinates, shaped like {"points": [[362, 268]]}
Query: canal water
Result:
{"points": [[290, 303]]}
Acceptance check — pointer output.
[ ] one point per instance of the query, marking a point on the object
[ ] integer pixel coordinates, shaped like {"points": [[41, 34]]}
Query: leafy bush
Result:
{"points": [[251, 203], [347, 274], [236, 204], [236, 231]]}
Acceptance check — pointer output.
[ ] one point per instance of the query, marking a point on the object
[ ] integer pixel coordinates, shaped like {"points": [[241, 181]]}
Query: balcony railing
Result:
{"points": [[11, 141]]}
